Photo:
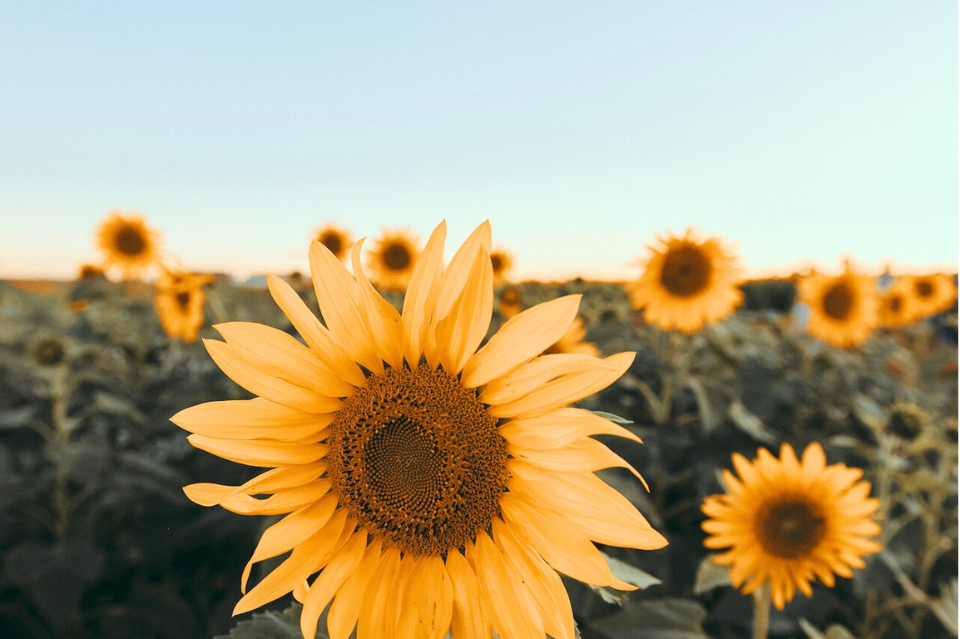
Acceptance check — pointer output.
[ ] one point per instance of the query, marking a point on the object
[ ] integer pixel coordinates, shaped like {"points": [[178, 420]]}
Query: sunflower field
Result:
{"points": [[450, 452]]}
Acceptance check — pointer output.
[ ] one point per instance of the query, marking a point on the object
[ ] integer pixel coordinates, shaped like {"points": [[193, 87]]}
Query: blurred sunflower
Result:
{"points": [[687, 283], [572, 341], [179, 303], [907, 420], [89, 272], [128, 243], [932, 294], [843, 309], [501, 261], [336, 239], [427, 481], [896, 306], [509, 301], [392, 259], [787, 521]]}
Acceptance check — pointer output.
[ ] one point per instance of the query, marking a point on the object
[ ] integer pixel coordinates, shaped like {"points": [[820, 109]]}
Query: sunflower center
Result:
{"points": [[332, 241], [895, 303], [924, 288], [183, 299], [49, 352], [686, 271], [496, 262], [129, 241], [396, 257], [838, 302], [416, 459], [790, 528]]}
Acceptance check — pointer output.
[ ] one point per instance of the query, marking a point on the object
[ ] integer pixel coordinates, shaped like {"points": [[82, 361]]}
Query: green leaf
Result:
{"points": [[711, 575], [612, 417], [271, 625], [836, 631], [655, 619], [625, 572], [750, 423]]}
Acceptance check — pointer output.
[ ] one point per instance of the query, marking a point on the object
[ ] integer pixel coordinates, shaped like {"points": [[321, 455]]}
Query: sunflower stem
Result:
{"points": [[761, 611]]}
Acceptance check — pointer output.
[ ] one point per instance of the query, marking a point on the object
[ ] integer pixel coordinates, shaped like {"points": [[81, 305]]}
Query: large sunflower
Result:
{"points": [[336, 239], [843, 309], [179, 303], [434, 486], [787, 522], [128, 243], [931, 294], [392, 259], [687, 282]]}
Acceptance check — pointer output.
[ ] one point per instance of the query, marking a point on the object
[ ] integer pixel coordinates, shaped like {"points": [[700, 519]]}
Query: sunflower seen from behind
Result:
{"points": [[335, 238], [128, 243], [179, 301], [434, 485], [392, 258], [785, 522], [843, 308], [686, 283]]}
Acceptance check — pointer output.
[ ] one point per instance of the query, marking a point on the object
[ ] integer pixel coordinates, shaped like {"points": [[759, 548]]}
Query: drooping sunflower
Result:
{"points": [[896, 306], [932, 294], [788, 522], [128, 243], [501, 260], [843, 309], [335, 238], [686, 283], [572, 341], [179, 303], [393, 258], [434, 486]]}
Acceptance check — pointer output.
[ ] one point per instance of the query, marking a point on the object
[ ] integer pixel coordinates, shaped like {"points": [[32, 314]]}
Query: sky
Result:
{"points": [[799, 132]]}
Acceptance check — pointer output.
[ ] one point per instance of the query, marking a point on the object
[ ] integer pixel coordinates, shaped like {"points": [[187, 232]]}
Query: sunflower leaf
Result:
{"points": [[835, 631], [656, 619], [271, 625], [616, 419], [750, 423], [711, 575]]}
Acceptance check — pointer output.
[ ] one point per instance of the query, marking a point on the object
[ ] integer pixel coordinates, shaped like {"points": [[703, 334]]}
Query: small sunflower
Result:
{"points": [[179, 303], [336, 239], [907, 420], [843, 309], [932, 294], [897, 306], [90, 272], [572, 341], [393, 258], [787, 522], [502, 261], [433, 486], [510, 302], [687, 283], [128, 243]]}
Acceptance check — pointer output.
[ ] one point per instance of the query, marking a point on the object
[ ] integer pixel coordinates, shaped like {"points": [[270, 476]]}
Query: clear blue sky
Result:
{"points": [[799, 131]]}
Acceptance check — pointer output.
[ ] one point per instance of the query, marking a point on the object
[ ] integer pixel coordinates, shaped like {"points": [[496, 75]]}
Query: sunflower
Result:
{"points": [[932, 294], [434, 486], [897, 307], [787, 521], [509, 301], [128, 243], [393, 258], [843, 309], [501, 260], [179, 302], [336, 239], [572, 341], [686, 283]]}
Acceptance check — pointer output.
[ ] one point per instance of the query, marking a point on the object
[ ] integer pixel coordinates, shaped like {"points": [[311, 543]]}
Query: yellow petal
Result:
{"points": [[272, 481], [380, 317], [505, 597], [258, 452], [314, 333], [455, 277], [460, 332], [565, 389], [328, 582], [280, 355], [469, 617], [280, 503], [305, 559], [378, 610], [559, 542], [336, 295], [558, 428], [427, 600], [542, 581], [521, 339], [272, 388], [346, 607], [578, 456], [256, 418], [535, 374], [421, 296]]}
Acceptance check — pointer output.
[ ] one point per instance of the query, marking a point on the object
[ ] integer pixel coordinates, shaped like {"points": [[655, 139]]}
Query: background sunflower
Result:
{"points": [[392, 258], [843, 309]]}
